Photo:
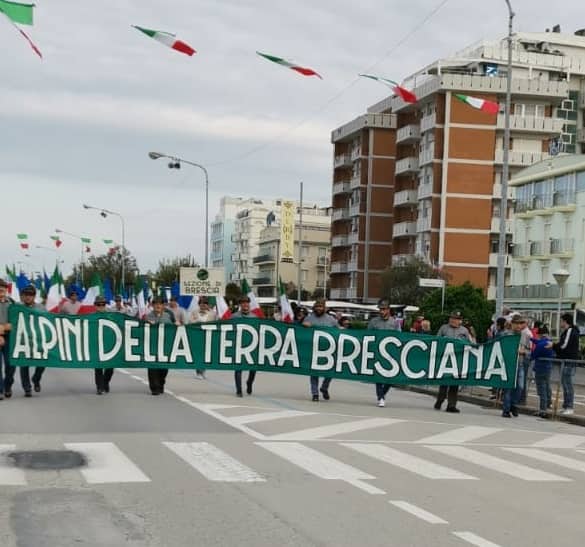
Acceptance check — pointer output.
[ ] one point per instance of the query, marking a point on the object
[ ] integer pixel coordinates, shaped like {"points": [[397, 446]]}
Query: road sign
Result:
{"points": [[427, 282], [202, 281]]}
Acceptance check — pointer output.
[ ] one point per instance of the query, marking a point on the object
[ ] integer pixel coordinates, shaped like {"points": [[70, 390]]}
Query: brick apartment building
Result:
{"points": [[424, 179]]}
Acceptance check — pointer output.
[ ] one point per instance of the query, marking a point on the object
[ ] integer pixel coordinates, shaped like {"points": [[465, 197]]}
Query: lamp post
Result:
{"points": [[104, 213], [175, 163], [502, 247], [561, 277]]}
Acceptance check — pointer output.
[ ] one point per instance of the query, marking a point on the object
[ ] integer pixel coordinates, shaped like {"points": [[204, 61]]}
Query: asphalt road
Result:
{"points": [[199, 466]]}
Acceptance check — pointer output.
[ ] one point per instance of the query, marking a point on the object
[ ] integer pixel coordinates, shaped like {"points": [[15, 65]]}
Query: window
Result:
{"points": [[304, 275], [544, 277], [581, 181], [322, 251]]}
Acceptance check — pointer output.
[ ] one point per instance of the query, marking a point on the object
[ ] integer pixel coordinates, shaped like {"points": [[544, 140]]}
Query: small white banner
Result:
{"points": [[202, 281]]}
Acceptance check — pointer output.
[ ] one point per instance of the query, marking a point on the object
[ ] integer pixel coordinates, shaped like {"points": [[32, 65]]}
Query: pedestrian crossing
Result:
{"points": [[359, 464]]}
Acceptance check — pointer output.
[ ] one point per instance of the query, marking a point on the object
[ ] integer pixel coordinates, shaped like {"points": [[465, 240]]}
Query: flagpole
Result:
{"points": [[300, 246]]}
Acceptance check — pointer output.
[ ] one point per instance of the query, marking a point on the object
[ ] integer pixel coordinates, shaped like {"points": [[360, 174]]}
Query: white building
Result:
{"points": [[549, 235]]}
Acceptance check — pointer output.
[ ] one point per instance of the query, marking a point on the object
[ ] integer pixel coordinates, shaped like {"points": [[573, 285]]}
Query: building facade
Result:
{"points": [[445, 157], [549, 231]]}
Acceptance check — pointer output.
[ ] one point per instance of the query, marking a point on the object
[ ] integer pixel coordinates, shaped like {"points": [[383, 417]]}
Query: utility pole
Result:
{"points": [[299, 269]]}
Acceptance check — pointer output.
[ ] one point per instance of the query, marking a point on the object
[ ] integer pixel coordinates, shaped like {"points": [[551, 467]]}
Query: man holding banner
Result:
{"points": [[319, 318], [244, 311], [8, 379], [158, 376], [102, 375]]}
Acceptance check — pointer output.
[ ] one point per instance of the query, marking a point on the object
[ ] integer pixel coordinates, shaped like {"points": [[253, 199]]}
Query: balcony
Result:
{"points": [[404, 229], [321, 261], [547, 204], [263, 280], [425, 191], [562, 247], [339, 267], [343, 160], [355, 181], [408, 134], [427, 156], [497, 191], [356, 153], [521, 159], [339, 241], [428, 122], [340, 214], [236, 257], [581, 132], [406, 165], [532, 124], [344, 294], [341, 187], [267, 258], [544, 250], [495, 226], [352, 265], [353, 238], [405, 197], [548, 291], [354, 210], [400, 259], [423, 224], [494, 260]]}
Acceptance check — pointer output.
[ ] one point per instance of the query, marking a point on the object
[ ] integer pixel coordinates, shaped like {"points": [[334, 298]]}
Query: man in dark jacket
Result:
{"points": [[568, 348]]}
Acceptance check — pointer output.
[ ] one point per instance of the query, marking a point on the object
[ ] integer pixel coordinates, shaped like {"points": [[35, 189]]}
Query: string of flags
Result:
{"points": [[22, 14]]}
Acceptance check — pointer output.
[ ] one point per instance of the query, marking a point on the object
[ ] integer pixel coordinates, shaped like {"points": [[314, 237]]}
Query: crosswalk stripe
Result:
{"points": [[268, 416], [9, 475], [506, 467], [560, 441], [460, 435], [408, 462], [418, 512], [220, 407], [541, 455], [474, 539], [214, 464], [324, 431], [107, 464], [321, 465]]}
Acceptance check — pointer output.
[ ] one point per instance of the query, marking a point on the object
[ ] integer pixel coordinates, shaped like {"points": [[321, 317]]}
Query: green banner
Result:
{"points": [[114, 340]]}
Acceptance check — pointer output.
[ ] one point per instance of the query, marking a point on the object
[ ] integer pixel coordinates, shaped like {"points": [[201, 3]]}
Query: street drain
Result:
{"points": [[47, 459]]}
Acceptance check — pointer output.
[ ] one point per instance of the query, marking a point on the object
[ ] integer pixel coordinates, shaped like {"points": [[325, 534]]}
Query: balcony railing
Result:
{"points": [[497, 191], [425, 191], [544, 249], [353, 238], [343, 160], [559, 247], [408, 133], [399, 259], [549, 291], [265, 258], [339, 267], [340, 214], [405, 197], [404, 229], [355, 181], [494, 260], [339, 241], [423, 224], [356, 153], [341, 187], [406, 165], [519, 158], [495, 226], [532, 124], [352, 265], [354, 210], [264, 280], [426, 156], [343, 294], [544, 202], [428, 122]]}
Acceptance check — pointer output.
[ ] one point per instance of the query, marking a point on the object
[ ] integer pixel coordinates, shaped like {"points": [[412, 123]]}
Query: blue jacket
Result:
{"points": [[541, 351]]}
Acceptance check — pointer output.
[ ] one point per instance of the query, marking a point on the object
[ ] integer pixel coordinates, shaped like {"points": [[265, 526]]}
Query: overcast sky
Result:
{"points": [[77, 126]]}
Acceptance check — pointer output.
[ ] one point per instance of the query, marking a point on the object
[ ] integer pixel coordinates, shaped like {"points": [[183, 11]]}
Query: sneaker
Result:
{"points": [[567, 411], [514, 411], [325, 394], [99, 392], [381, 402], [1, 397], [316, 398], [107, 388], [8, 394], [506, 415], [154, 392], [452, 409], [199, 376]]}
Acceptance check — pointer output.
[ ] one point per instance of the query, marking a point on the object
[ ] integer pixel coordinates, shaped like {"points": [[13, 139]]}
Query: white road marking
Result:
{"points": [[561, 441], [107, 464], [321, 432], [214, 464], [405, 461], [460, 435], [541, 455], [220, 407], [10, 475], [506, 467], [321, 465], [418, 512], [269, 416], [475, 539]]}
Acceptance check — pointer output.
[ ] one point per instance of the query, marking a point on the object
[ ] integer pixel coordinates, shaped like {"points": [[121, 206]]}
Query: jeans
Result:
{"points": [[513, 396], [542, 381], [382, 390], [567, 383], [315, 384], [238, 379], [8, 380], [525, 364], [157, 378]]}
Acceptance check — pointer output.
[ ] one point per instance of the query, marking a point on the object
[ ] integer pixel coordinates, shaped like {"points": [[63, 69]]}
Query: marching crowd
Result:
{"points": [[535, 349]]}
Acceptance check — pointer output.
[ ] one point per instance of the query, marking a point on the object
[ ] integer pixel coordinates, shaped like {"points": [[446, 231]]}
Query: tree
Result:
{"points": [[400, 282], [467, 299], [169, 268], [292, 292]]}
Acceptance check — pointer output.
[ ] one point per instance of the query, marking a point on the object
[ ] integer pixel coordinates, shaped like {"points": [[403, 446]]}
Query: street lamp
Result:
{"points": [[175, 163], [104, 213], [502, 247], [561, 277]]}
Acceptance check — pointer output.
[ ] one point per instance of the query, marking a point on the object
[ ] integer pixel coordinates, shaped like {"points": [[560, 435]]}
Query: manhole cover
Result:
{"points": [[47, 459]]}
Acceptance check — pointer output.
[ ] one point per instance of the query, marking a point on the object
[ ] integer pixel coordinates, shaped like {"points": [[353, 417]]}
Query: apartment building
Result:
{"points": [[445, 158], [314, 254], [549, 230]]}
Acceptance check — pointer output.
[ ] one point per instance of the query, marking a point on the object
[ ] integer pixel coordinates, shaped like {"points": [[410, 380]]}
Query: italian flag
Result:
{"points": [[254, 306], [87, 242], [140, 303], [57, 241], [167, 39], [223, 311], [22, 14], [305, 71], [23, 240], [95, 289], [285, 308], [406, 95], [480, 104], [13, 285], [54, 294]]}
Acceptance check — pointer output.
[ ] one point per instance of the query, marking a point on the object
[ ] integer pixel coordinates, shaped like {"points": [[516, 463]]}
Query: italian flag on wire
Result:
{"points": [[23, 240], [57, 241], [167, 39], [254, 306], [406, 95], [480, 104], [22, 14], [285, 308], [305, 71]]}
